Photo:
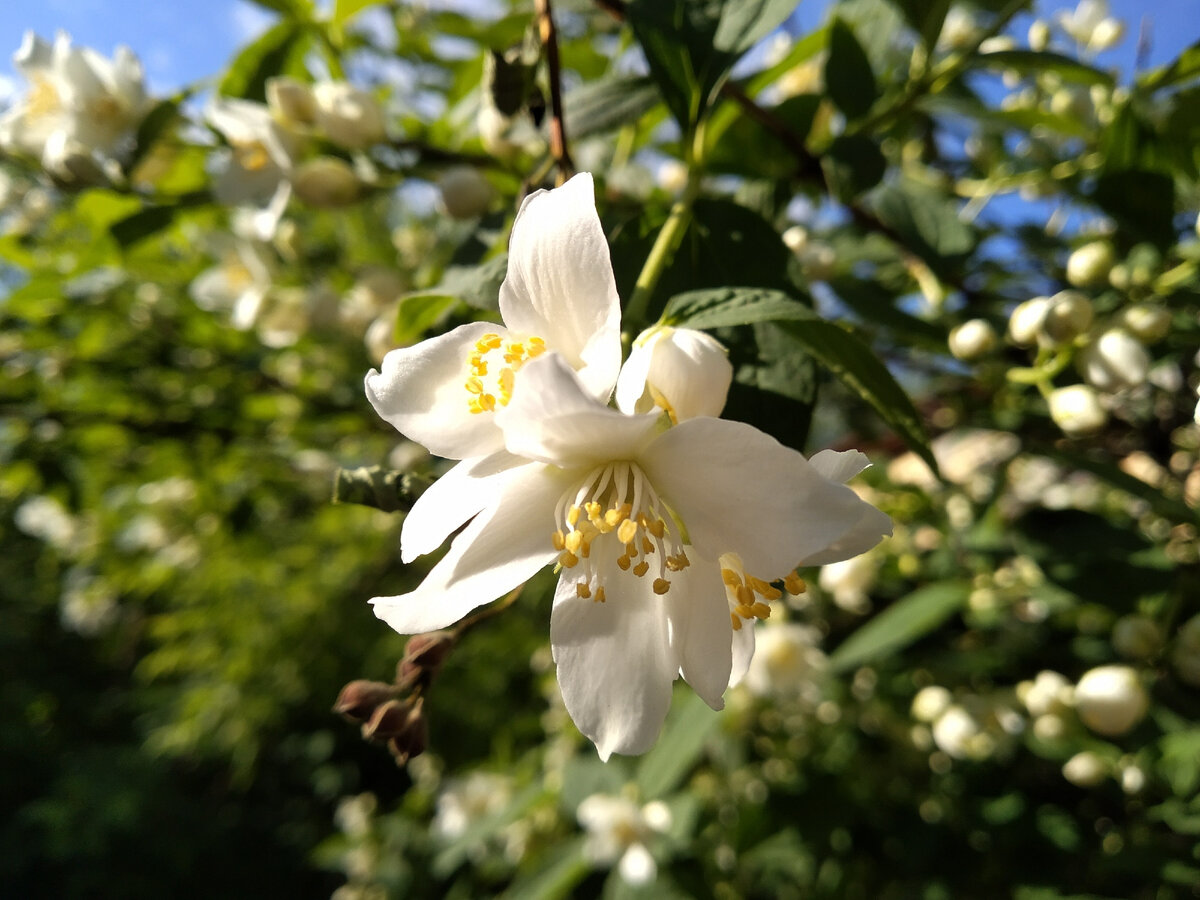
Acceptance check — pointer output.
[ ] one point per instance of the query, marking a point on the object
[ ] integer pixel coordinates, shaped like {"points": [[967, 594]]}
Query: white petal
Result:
{"points": [[552, 418], [560, 283], [33, 55], [743, 653], [701, 629], [631, 383], [471, 486], [839, 466], [502, 547], [739, 490], [637, 866], [615, 663], [691, 370], [421, 392], [871, 527]]}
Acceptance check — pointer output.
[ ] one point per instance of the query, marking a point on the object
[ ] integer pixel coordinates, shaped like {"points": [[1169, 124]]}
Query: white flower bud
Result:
{"points": [[684, 372], [930, 703], [972, 339], [1136, 637], [1068, 315], [292, 101], [1110, 700], [1049, 728], [1147, 322], [1076, 409], [1090, 264], [348, 116], [1114, 360], [1039, 35], [796, 238], [1086, 769], [326, 182], [465, 193], [1025, 321], [954, 732], [1107, 33], [1048, 692], [672, 176], [1133, 779]]}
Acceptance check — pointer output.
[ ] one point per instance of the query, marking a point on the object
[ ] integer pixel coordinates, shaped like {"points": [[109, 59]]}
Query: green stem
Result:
{"points": [[665, 245]]}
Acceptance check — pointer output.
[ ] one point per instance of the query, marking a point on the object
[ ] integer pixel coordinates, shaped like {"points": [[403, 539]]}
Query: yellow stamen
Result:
{"points": [[574, 541], [641, 568], [730, 577], [737, 623], [795, 584], [582, 590], [558, 540], [623, 563], [573, 515], [661, 585], [599, 598], [627, 531], [761, 611], [568, 559]]}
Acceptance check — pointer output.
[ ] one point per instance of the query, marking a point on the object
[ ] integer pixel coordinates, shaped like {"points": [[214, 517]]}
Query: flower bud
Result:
{"points": [[1025, 321], [1086, 769], [423, 656], [1185, 656], [465, 193], [292, 101], [326, 183], [1147, 322], [1090, 264], [1120, 277], [1045, 694], [1114, 360], [1068, 315], [1110, 700], [1136, 637], [1076, 409], [359, 699], [972, 339], [1107, 33], [672, 176], [348, 116], [1039, 35], [684, 372], [389, 719], [955, 733], [930, 703]]}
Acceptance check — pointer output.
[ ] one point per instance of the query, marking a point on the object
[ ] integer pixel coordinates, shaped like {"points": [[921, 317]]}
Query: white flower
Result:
{"points": [[47, 520], [959, 30], [1076, 409], [617, 828], [80, 106], [237, 284], [1047, 693], [685, 373], [292, 101], [326, 182], [1114, 360], [349, 116], [1090, 25], [850, 581], [1039, 35], [930, 702], [559, 295], [956, 731], [464, 192], [254, 171], [1110, 700], [464, 801], [786, 661], [610, 498]]}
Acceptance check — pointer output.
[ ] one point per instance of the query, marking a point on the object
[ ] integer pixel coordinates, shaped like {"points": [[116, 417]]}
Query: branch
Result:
{"points": [[558, 128]]}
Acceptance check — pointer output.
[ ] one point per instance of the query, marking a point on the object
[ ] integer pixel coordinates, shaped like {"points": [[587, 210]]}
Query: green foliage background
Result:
{"points": [[170, 649]]}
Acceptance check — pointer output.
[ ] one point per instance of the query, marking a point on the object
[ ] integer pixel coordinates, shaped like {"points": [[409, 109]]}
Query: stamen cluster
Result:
{"points": [[513, 355]]}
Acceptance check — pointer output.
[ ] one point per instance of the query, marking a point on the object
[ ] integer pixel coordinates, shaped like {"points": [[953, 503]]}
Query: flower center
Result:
{"points": [[748, 595], [44, 98], [615, 502], [494, 363], [251, 155]]}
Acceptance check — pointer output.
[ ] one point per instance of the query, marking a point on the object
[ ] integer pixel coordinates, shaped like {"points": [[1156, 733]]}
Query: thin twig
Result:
{"points": [[558, 128]]}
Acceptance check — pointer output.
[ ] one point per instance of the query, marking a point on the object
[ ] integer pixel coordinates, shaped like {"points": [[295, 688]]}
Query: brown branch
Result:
{"points": [[558, 128]]}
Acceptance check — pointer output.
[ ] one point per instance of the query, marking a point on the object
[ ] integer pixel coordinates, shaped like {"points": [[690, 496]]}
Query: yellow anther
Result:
{"points": [[613, 518], [641, 568], [658, 528], [735, 621], [746, 612], [593, 510], [676, 563], [568, 559], [558, 540], [487, 402], [573, 515], [537, 347], [586, 550], [631, 549], [474, 386], [744, 595], [761, 611], [627, 531], [582, 590], [507, 379], [574, 541], [768, 591], [623, 563], [730, 577], [599, 598], [489, 341], [661, 585], [795, 584], [647, 547]]}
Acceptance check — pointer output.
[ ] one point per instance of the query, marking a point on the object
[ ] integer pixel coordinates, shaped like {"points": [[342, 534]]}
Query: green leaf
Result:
{"points": [[926, 220], [925, 17], [1030, 62], [150, 220], [260, 60], [599, 106], [905, 621], [154, 125], [854, 164], [386, 489], [417, 313], [722, 307], [1102, 467], [1186, 66], [294, 8], [744, 23], [345, 10], [663, 769], [1143, 202], [561, 870], [848, 75], [477, 286]]}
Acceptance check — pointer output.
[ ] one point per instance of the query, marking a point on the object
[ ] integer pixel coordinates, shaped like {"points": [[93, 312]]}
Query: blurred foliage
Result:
{"points": [[180, 387]]}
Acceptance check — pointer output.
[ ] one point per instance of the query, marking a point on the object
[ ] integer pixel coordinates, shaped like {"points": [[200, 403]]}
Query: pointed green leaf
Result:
{"points": [[678, 750], [905, 621], [848, 75]]}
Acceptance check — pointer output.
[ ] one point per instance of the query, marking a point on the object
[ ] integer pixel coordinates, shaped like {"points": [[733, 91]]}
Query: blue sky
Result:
{"points": [[183, 40]]}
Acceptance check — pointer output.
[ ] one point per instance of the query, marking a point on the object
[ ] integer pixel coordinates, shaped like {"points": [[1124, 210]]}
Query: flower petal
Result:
{"points": [[839, 466], [631, 383], [560, 283], [737, 489], [871, 527], [552, 418], [743, 653], [471, 486], [502, 547], [637, 866], [700, 629], [615, 663], [421, 392]]}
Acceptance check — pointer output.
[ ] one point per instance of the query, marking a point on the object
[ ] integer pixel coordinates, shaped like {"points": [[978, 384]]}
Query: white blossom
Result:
{"points": [[685, 373], [1110, 700], [618, 829]]}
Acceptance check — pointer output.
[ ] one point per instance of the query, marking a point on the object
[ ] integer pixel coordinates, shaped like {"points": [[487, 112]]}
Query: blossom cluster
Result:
{"points": [[672, 530]]}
